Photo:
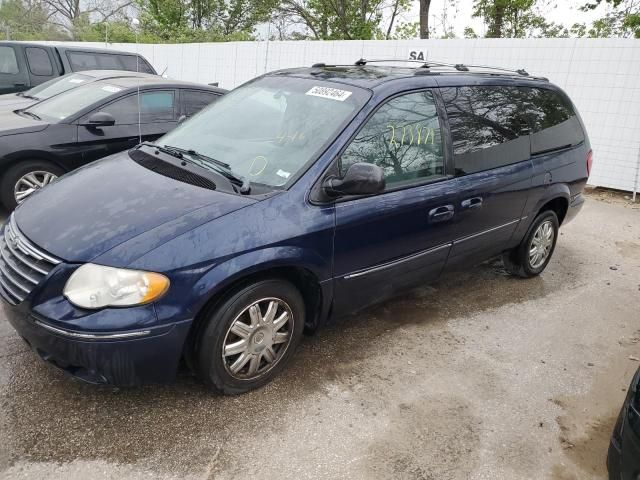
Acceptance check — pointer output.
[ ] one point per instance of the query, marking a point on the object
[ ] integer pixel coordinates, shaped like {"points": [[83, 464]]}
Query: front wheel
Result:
{"points": [[251, 336], [533, 254], [25, 178]]}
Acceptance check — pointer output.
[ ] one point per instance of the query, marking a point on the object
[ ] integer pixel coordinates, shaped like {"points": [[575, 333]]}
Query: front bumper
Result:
{"points": [[146, 356]]}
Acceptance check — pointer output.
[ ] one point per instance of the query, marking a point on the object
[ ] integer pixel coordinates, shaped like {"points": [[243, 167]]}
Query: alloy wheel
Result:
{"points": [[30, 182], [541, 244], [257, 338]]}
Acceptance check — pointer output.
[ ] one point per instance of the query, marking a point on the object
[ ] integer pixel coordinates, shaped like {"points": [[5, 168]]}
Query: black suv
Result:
{"points": [[25, 65]]}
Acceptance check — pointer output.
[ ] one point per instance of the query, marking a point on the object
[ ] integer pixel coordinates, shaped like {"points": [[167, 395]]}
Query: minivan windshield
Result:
{"points": [[68, 103], [58, 85], [270, 129]]}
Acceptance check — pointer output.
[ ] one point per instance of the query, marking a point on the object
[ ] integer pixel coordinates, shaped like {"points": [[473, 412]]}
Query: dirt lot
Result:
{"points": [[480, 376]]}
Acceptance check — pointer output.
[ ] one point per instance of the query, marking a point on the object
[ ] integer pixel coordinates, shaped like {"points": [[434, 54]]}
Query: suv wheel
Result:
{"points": [[532, 256], [251, 336], [24, 178]]}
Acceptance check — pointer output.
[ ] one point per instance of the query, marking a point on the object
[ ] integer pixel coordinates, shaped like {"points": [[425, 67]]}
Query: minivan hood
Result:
{"points": [[12, 123], [91, 210]]}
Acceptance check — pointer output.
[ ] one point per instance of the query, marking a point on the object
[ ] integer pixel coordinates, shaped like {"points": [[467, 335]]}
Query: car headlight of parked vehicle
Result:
{"points": [[97, 286]]}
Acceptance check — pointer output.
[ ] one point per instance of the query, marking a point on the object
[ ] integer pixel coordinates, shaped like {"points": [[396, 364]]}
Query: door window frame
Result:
{"points": [[315, 197], [131, 94]]}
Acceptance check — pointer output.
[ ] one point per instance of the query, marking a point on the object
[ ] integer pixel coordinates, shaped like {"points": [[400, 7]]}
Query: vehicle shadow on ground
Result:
{"points": [[49, 417]]}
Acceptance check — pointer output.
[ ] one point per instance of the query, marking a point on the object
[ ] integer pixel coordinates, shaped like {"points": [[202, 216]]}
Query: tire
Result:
{"points": [[39, 169], [520, 261], [252, 359]]}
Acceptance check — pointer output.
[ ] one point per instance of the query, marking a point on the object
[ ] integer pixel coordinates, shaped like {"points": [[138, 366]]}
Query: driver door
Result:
{"points": [[400, 238], [157, 116]]}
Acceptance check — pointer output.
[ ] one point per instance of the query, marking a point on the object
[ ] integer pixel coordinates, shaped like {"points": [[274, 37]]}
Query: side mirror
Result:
{"points": [[100, 119], [361, 179]]}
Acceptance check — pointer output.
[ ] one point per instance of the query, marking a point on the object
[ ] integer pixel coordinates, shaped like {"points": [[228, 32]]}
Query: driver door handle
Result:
{"points": [[441, 214], [470, 203]]}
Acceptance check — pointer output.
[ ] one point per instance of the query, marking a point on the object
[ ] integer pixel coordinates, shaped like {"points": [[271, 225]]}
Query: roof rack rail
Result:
{"points": [[461, 67]]}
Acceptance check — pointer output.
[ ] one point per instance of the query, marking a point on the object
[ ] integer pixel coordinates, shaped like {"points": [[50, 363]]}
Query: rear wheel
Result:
{"points": [[251, 336], [25, 178], [533, 254]]}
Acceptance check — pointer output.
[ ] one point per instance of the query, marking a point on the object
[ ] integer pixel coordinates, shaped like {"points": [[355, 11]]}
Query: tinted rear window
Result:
{"points": [[38, 60], [195, 100], [554, 122], [488, 127], [136, 64]]}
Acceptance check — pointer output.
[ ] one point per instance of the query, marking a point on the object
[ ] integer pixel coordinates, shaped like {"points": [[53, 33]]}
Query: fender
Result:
{"points": [[180, 304]]}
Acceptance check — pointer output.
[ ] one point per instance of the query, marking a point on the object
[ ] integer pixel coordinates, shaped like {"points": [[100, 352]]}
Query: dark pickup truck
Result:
{"points": [[25, 65]]}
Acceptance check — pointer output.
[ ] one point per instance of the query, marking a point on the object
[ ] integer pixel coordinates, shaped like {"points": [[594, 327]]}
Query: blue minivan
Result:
{"points": [[302, 195]]}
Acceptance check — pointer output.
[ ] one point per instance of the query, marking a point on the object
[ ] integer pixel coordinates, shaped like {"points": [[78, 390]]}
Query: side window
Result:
{"points": [[8, 61], [488, 127], [195, 100], [154, 107], [553, 120], [82, 61], [39, 62], [108, 62], [403, 137], [129, 63]]}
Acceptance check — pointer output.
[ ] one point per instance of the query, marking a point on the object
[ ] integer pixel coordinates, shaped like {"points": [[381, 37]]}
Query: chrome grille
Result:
{"points": [[22, 265]]}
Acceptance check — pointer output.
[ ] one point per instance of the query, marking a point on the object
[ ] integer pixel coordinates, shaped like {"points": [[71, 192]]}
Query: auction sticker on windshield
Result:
{"points": [[328, 92]]}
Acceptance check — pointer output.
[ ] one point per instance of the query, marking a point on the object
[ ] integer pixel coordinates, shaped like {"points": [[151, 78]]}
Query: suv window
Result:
{"points": [[554, 122], [8, 61], [157, 106], [38, 60], [195, 100], [489, 128], [403, 138], [82, 61], [129, 62]]}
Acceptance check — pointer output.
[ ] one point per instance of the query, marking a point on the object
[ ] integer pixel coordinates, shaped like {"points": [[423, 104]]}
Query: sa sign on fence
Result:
{"points": [[417, 55]]}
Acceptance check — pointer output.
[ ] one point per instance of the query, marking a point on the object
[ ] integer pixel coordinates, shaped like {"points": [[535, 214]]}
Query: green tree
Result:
{"points": [[622, 19], [344, 19], [517, 18], [27, 20]]}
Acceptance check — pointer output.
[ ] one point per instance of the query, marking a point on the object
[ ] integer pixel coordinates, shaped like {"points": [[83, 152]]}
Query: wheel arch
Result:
{"points": [[27, 156], [303, 277]]}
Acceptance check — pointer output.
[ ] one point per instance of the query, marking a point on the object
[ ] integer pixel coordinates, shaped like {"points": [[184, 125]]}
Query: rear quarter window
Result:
{"points": [[554, 123], [135, 64], [195, 100]]}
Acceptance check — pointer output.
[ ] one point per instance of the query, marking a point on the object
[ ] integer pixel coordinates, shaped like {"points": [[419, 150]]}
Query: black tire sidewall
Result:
{"points": [[210, 342], [523, 251], [16, 171]]}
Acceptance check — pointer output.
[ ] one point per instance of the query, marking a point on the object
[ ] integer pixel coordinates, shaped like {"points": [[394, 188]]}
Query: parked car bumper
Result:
{"points": [[123, 358], [623, 460]]}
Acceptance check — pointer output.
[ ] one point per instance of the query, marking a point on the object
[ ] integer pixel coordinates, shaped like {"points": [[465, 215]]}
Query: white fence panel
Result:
{"points": [[602, 76]]}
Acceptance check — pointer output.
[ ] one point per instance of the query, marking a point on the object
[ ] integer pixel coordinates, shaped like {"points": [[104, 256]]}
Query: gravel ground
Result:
{"points": [[480, 376]]}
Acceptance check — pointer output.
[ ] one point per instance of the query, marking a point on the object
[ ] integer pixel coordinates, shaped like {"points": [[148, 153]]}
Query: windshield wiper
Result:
{"points": [[30, 114], [210, 163]]}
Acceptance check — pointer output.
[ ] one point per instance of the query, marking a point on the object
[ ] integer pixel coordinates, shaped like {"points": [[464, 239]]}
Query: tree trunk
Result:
{"points": [[424, 18], [496, 23]]}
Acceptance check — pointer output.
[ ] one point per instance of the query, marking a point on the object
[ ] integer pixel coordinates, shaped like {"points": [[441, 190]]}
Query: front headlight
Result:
{"points": [[97, 286]]}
